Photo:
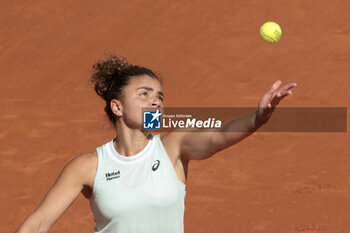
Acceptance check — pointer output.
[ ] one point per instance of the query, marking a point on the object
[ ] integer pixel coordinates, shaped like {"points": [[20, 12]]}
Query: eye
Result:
{"points": [[144, 93], [160, 98]]}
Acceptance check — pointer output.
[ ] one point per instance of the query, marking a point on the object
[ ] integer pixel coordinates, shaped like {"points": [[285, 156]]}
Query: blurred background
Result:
{"points": [[208, 54]]}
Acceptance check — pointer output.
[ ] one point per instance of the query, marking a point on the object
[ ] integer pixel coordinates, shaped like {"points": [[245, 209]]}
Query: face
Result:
{"points": [[142, 92]]}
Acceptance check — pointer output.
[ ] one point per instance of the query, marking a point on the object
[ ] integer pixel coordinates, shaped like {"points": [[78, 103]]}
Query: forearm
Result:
{"points": [[202, 145], [237, 130], [33, 224], [246, 124]]}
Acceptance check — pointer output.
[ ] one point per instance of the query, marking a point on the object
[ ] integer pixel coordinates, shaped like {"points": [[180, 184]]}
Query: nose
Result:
{"points": [[156, 103]]}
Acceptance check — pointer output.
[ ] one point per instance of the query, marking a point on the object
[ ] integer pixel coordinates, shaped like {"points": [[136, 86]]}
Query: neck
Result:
{"points": [[130, 141]]}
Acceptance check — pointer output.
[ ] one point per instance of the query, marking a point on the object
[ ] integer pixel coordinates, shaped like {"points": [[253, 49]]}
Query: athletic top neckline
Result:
{"points": [[133, 157]]}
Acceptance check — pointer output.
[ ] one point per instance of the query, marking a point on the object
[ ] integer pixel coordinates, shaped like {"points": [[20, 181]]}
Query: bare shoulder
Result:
{"points": [[171, 139], [83, 166], [175, 139], [172, 143], [83, 161]]}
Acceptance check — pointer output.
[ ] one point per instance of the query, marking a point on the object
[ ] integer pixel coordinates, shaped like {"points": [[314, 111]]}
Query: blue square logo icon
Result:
{"points": [[151, 119]]}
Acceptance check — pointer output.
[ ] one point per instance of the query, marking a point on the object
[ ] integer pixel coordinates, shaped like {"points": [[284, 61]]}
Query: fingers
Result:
{"points": [[287, 87], [275, 86], [277, 94], [278, 83], [283, 90], [278, 97], [283, 93]]}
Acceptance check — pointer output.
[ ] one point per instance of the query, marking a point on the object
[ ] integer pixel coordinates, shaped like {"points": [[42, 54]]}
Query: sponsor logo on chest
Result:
{"points": [[112, 175]]}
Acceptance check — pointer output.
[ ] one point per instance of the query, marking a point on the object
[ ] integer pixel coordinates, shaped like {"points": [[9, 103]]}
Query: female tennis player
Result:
{"points": [[136, 182]]}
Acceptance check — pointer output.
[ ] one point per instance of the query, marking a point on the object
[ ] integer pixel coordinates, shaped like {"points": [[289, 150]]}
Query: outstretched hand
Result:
{"points": [[271, 99]]}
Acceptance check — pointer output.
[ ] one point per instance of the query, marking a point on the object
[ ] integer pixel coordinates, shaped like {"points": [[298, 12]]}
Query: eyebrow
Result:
{"points": [[151, 89]]}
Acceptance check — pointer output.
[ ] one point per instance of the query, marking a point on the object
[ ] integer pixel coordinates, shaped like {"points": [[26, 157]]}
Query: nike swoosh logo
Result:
{"points": [[156, 165]]}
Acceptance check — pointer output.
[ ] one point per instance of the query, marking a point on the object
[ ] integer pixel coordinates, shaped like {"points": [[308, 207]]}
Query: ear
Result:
{"points": [[116, 107]]}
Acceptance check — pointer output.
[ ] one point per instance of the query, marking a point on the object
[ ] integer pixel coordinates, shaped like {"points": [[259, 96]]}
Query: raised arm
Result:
{"points": [[202, 145], [78, 173]]}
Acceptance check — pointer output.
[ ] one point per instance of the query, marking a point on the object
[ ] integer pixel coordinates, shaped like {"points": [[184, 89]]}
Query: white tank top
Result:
{"points": [[137, 194]]}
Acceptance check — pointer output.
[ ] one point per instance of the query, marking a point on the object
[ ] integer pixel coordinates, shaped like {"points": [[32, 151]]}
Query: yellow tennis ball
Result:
{"points": [[270, 32]]}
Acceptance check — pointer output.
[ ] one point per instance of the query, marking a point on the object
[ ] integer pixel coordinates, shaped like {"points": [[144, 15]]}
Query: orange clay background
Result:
{"points": [[209, 54]]}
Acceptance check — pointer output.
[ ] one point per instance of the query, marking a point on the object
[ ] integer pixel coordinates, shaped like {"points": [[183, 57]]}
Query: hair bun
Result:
{"points": [[105, 71]]}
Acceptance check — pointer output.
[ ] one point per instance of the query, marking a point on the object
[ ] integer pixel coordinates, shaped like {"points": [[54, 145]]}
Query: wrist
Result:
{"points": [[259, 120]]}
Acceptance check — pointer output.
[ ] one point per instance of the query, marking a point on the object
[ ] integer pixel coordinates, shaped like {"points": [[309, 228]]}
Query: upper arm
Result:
{"points": [[77, 173], [199, 145], [193, 145]]}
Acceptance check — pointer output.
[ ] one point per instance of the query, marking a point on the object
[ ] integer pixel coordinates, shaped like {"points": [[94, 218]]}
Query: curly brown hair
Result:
{"points": [[110, 76]]}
